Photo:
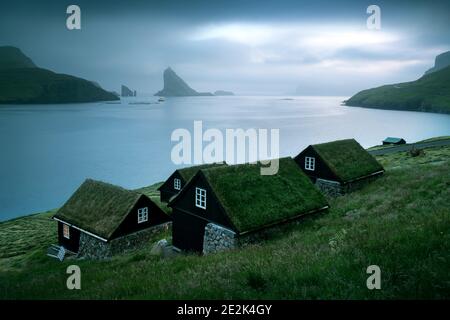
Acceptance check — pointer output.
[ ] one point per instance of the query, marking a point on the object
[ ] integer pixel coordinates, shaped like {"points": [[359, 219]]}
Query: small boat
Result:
{"points": [[161, 99]]}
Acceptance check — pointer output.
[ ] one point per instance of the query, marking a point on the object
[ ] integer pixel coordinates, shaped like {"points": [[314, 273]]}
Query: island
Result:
{"points": [[22, 82], [174, 86], [223, 93], [430, 93], [127, 92]]}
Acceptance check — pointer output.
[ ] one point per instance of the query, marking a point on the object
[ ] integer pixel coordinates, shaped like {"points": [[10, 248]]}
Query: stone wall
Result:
{"points": [[330, 188], [334, 188], [93, 248], [218, 238]]}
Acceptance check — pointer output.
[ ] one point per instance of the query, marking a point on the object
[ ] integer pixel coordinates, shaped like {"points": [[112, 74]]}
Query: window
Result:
{"points": [[200, 198], [177, 184], [66, 231], [142, 215], [310, 163]]}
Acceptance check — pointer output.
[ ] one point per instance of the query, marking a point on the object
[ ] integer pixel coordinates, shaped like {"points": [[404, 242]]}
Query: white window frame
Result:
{"points": [[66, 231], [200, 198], [177, 184], [142, 214], [310, 163]]}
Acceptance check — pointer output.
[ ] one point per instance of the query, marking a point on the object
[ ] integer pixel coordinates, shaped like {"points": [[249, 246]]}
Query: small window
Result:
{"points": [[66, 231], [200, 198], [310, 163], [177, 184], [142, 215]]}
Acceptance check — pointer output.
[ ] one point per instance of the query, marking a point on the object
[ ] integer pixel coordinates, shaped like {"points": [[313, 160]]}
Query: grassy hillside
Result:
{"points": [[11, 57], [34, 85], [400, 222], [431, 93], [22, 82]]}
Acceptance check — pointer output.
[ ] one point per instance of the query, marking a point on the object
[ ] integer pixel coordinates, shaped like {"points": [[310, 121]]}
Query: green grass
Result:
{"points": [[270, 198], [434, 139], [400, 222], [387, 146], [380, 147], [430, 93], [98, 207], [347, 159], [153, 193], [41, 86]]}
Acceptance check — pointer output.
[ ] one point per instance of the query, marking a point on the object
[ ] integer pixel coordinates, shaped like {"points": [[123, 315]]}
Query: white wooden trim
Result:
{"points": [[199, 194], [67, 236], [142, 215], [82, 230], [310, 163], [177, 184]]}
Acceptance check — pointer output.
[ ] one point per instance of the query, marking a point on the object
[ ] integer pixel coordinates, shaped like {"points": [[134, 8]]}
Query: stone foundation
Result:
{"points": [[218, 238], [93, 248], [334, 188], [330, 188]]}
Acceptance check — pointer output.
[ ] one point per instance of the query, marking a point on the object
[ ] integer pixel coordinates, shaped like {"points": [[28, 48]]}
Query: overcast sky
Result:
{"points": [[247, 46]]}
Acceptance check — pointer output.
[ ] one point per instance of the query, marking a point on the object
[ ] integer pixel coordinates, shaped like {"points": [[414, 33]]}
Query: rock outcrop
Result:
{"points": [[127, 92], [442, 61], [223, 93], [174, 86]]}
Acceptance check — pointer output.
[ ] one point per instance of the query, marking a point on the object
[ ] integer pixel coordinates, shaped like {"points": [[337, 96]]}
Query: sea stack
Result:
{"points": [[174, 86], [127, 92]]}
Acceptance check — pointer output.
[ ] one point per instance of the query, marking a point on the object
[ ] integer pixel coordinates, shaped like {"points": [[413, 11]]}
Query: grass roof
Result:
{"points": [[153, 193], [252, 200], [188, 172], [98, 207], [347, 159]]}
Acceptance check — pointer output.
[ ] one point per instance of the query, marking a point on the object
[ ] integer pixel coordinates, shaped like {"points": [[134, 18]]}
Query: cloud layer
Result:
{"points": [[250, 47]]}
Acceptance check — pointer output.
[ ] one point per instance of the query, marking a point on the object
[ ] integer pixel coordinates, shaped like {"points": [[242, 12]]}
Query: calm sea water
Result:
{"points": [[46, 151]]}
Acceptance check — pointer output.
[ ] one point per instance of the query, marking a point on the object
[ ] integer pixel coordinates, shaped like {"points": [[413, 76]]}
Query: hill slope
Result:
{"points": [[174, 86], [400, 222], [430, 93], [11, 57], [35, 85], [21, 82]]}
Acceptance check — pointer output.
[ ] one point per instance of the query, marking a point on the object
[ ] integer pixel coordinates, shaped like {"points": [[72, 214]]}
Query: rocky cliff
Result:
{"points": [[174, 86]]}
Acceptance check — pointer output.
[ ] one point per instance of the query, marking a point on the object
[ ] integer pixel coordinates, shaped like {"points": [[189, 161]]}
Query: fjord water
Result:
{"points": [[48, 150]]}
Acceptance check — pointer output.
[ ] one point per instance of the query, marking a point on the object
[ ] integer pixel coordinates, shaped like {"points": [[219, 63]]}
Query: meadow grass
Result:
{"points": [[400, 222]]}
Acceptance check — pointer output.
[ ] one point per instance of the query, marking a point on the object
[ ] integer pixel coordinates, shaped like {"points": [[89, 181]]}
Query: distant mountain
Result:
{"points": [[223, 93], [430, 93], [127, 92], [22, 82], [442, 61], [174, 86]]}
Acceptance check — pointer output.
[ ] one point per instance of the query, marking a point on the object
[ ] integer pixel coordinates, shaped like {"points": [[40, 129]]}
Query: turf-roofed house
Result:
{"points": [[178, 179], [100, 220], [227, 206], [393, 140], [339, 166]]}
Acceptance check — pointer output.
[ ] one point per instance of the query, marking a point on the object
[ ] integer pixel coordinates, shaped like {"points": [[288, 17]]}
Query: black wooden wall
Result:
{"points": [[321, 169], [71, 244]]}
